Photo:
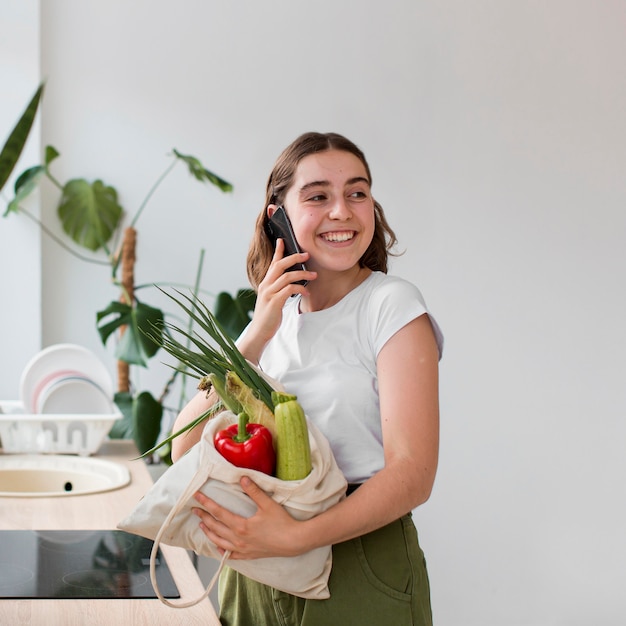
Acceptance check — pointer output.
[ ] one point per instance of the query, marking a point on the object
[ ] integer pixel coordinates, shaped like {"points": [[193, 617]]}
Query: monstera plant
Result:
{"points": [[92, 217]]}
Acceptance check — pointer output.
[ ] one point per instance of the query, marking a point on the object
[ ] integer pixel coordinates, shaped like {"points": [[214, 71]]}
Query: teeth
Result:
{"points": [[344, 236]]}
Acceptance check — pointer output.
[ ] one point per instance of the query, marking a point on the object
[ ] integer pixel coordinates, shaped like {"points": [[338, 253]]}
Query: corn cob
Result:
{"points": [[219, 386], [256, 409]]}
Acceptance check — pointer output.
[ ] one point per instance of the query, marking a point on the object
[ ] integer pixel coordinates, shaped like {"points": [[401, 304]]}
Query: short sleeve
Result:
{"points": [[393, 304]]}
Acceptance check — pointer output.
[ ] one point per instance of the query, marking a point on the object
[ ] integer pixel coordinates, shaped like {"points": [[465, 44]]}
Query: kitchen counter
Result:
{"points": [[98, 512]]}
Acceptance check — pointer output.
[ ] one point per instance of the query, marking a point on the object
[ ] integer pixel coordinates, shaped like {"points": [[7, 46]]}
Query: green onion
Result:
{"points": [[201, 358], [208, 359]]}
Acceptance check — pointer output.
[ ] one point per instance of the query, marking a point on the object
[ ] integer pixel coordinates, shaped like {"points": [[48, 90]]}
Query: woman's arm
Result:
{"points": [[408, 387], [198, 405], [409, 405]]}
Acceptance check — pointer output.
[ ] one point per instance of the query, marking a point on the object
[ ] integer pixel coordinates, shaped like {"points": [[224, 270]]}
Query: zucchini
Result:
{"points": [[293, 449]]}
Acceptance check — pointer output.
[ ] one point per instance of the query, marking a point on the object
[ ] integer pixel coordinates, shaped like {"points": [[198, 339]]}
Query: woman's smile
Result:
{"points": [[338, 236]]}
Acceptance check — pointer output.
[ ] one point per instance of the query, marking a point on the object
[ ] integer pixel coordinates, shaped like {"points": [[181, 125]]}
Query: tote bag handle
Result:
{"points": [[194, 485]]}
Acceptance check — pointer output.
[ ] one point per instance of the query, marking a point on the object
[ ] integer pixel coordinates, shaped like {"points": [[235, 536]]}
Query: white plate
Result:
{"points": [[44, 383], [62, 357], [69, 395]]}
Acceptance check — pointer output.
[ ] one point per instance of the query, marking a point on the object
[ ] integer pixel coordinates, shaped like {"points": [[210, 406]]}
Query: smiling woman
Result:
{"points": [[282, 179], [360, 351]]}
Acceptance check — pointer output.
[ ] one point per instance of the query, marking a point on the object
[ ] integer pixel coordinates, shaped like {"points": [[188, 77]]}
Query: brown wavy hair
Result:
{"points": [[278, 184]]}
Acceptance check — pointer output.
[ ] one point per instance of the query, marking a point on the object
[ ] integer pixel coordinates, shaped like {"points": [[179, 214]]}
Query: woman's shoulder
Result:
{"points": [[384, 286], [393, 302]]}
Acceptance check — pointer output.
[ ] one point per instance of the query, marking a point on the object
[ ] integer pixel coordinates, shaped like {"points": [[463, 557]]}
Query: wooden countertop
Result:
{"points": [[98, 512]]}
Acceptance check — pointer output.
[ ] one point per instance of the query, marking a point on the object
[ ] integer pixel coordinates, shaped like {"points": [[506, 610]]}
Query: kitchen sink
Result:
{"points": [[43, 475]]}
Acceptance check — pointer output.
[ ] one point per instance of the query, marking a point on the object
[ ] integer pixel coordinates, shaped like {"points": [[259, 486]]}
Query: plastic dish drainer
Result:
{"points": [[52, 434]]}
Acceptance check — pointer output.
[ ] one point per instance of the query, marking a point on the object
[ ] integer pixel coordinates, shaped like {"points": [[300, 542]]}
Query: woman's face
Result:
{"points": [[331, 209]]}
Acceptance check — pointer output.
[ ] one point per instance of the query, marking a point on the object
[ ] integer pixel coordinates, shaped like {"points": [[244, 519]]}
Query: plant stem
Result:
{"points": [[128, 296], [53, 180], [152, 190], [190, 324], [56, 239], [168, 385]]}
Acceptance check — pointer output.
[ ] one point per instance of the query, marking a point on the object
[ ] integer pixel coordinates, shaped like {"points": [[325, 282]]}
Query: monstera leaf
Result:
{"points": [[89, 212], [141, 419], [234, 313], [136, 345], [123, 427]]}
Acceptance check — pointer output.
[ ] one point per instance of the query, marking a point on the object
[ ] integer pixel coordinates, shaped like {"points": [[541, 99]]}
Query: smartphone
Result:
{"points": [[279, 227]]}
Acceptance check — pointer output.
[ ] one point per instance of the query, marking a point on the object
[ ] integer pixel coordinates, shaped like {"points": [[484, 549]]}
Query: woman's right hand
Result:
{"points": [[272, 293]]}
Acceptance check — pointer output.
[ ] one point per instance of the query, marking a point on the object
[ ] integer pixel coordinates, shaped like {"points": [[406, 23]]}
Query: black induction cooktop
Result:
{"points": [[72, 564]]}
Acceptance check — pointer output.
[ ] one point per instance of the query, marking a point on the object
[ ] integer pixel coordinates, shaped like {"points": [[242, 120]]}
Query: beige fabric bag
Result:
{"points": [[164, 513]]}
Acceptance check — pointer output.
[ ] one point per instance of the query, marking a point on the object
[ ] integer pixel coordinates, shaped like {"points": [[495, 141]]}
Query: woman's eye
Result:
{"points": [[317, 198], [358, 194]]}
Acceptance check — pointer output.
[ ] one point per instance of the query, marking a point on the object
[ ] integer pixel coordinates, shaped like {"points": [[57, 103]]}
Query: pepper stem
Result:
{"points": [[242, 430]]}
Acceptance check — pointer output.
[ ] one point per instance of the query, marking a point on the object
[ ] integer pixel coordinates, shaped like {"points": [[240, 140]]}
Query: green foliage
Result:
{"points": [[141, 419], [89, 212], [29, 180], [123, 427], [24, 186], [138, 343], [234, 313], [12, 150], [217, 358], [91, 215], [147, 415], [198, 171]]}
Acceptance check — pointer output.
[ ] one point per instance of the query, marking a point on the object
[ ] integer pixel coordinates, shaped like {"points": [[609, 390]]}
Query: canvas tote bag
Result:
{"points": [[164, 513]]}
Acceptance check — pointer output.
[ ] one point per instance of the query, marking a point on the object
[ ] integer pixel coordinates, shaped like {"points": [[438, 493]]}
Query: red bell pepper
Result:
{"points": [[247, 445]]}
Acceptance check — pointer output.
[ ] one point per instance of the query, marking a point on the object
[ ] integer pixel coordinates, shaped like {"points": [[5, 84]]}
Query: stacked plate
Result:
{"points": [[65, 407], [66, 379]]}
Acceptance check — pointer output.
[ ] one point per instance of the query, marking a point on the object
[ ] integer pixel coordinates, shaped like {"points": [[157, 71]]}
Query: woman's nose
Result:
{"points": [[340, 210]]}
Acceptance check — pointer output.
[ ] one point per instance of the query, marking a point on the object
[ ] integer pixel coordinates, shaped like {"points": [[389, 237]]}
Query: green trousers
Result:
{"points": [[379, 579]]}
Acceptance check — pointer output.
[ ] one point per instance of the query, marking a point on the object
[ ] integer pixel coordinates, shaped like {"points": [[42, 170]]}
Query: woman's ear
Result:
{"points": [[271, 209]]}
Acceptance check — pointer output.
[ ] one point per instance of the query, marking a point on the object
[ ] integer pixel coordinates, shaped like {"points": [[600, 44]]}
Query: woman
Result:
{"points": [[361, 352]]}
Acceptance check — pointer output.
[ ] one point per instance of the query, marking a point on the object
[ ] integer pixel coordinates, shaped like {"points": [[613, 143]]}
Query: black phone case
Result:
{"points": [[279, 227]]}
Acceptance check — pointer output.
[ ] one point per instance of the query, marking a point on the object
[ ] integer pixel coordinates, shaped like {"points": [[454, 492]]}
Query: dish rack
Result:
{"points": [[80, 434]]}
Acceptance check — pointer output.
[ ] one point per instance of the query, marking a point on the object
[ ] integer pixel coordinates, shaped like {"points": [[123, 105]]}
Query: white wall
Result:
{"points": [[20, 259], [497, 138]]}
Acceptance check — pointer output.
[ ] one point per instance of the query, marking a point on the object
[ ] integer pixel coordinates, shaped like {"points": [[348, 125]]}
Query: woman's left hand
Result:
{"points": [[271, 531]]}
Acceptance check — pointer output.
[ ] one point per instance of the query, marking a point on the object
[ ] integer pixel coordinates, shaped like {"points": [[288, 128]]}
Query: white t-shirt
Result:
{"points": [[328, 359]]}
